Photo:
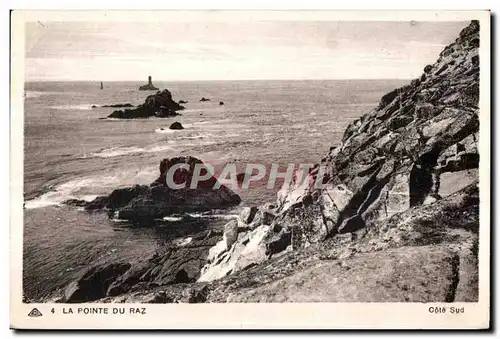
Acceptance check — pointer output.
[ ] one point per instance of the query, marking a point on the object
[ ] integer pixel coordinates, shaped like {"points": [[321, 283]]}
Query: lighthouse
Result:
{"points": [[149, 86]]}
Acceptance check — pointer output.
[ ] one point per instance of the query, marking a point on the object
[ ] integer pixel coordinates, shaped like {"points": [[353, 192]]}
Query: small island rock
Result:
{"points": [[149, 86], [176, 125]]}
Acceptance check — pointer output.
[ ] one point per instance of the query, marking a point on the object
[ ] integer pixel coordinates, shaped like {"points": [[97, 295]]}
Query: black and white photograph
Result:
{"points": [[218, 157]]}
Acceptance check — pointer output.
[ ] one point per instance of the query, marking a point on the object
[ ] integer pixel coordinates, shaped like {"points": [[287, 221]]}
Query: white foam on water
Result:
{"points": [[37, 94], [83, 107], [182, 242], [194, 137], [159, 148], [172, 218], [55, 198], [213, 216], [165, 130], [33, 94], [70, 189], [127, 150], [119, 220], [114, 152]]}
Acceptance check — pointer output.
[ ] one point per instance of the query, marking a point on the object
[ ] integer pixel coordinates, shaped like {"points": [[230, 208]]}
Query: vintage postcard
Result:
{"points": [[250, 169]]}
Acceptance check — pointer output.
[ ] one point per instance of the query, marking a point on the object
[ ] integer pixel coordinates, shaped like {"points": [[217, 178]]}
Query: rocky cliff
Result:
{"points": [[396, 220]]}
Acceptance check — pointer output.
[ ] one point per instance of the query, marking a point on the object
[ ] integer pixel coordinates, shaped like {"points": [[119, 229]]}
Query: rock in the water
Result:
{"points": [[182, 102], [160, 104], [221, 103], [204, 99], [143, 203], [176, 125], [119, 105], [149, 86]]}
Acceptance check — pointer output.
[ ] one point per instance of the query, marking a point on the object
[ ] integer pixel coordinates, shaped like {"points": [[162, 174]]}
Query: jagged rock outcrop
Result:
{"points": [[159, 105], [143, 203]]}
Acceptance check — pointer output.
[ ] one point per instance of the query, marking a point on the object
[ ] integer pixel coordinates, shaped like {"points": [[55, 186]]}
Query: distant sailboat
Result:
{"points": [[102, 85]]}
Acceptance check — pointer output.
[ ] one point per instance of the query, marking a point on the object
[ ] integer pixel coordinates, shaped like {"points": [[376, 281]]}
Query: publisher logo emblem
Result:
{"points": [[35, 313]]}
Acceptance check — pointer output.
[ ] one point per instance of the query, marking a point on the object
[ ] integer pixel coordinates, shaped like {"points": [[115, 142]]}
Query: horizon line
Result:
{"points": [[201, 80]]}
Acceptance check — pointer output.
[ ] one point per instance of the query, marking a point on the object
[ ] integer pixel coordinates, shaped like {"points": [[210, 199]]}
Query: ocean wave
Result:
{"points": [[165, 130], [114, 152], [172, 219], [159, 148], [121, 151], [80, 188], [36, 94], [202, 216], [82, 107], [194, 137], [114, 119], [70, 189], [33, 94], [55, 198]]}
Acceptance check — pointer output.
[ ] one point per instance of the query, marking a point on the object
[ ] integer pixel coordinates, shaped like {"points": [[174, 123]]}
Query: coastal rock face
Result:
{"points": [[94, 282], [178, 263], [387, 173], [143, 203], [159, 105]]}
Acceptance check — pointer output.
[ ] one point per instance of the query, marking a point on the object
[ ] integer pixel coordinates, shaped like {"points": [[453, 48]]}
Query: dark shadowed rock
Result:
{"points": [[204, 99], [160, 105], [176, 125], [427, 69], [221, 103], [143, 203], [182, 102], [94, 283], [119, 105]]}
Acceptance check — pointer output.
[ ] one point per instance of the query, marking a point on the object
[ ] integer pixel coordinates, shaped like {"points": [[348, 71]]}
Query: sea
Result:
{"points": [[72, 151]]}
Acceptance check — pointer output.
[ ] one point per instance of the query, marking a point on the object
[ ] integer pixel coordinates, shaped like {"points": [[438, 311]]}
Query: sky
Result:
{"points": [[197, 50]]}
